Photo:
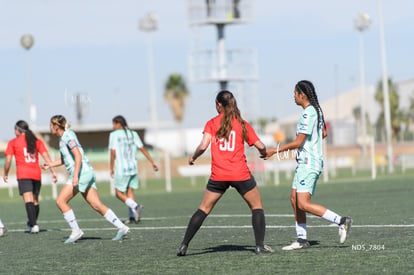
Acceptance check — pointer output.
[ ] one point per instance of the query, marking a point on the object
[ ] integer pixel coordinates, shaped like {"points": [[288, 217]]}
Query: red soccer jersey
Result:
{"points": [[228, 161], [27, 165]]}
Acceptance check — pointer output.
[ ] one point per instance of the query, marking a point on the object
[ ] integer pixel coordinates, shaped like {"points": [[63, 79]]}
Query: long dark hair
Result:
{"points": [[31, 139], [122, 121], [306, 87], [228, 101]]}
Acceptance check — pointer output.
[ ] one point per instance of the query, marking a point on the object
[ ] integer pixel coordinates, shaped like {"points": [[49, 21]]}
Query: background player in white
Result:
{"points": [[82, 179], [309, 134], [123, 145]]}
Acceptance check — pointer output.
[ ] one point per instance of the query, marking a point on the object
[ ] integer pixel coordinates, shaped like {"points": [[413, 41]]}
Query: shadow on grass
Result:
{"points": [[224, 248]]}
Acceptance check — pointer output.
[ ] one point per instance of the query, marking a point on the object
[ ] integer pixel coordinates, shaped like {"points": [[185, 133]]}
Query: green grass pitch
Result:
{"points": [[381, 240]]}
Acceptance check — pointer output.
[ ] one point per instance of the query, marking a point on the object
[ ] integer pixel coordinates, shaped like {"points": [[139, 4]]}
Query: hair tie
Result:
{"points": [[21, 130]]}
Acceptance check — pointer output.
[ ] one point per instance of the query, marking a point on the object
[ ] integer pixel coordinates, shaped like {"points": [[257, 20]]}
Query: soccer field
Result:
{"points": [[381, 239]]}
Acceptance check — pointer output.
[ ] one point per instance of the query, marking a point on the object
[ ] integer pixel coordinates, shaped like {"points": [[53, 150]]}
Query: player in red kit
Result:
{"points": [[26, 149], [227, 133]]}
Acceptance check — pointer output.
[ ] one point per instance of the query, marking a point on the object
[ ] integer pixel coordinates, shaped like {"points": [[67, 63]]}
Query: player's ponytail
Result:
{"points": [[230, 109], [30, 137], [122, 121], [306, 87]]}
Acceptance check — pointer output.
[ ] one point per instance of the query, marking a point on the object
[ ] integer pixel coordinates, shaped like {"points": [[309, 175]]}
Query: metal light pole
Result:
{"points": [[387, 115], [27, 42], [149, 24], [362, 23]]}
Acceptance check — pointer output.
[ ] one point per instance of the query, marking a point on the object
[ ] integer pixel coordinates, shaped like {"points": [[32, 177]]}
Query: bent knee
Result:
{"points": [[304, 206]]}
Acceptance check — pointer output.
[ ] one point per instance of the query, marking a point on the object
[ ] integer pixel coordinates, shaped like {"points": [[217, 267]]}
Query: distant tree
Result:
{"points": [[397, 116], [357, 115], [176, 94]]}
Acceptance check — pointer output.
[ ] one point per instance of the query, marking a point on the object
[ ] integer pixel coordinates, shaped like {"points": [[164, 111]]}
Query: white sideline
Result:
{"points": [[182, 227]]}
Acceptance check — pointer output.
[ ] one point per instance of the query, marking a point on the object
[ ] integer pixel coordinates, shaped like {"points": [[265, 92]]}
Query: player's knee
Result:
{"points": [[60, 203], [303, 205]]}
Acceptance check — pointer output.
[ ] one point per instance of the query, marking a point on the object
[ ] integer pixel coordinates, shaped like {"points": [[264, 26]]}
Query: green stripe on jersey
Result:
{"points": [[67, 142], [310, 153], [125, 144]]}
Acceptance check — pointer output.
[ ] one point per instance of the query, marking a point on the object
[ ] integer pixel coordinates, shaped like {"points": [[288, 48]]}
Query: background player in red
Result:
{"points": [[26, 148], [227, 133]]}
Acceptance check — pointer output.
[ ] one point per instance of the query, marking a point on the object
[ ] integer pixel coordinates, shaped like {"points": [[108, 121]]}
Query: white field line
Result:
{"points": [[208, 226], [166, 218], [225, 227]]}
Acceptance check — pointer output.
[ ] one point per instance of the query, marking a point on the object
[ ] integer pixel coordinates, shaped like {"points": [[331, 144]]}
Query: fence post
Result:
{"points": [[276, 172], [168, 186], [373, 165]]}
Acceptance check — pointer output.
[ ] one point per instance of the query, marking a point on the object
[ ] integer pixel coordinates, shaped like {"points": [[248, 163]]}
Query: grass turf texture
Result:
{"points": [[381, 241]]}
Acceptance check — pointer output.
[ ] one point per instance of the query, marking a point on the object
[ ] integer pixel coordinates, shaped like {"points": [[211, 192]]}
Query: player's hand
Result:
{"points": [[191, 160], [45, 166], [155, 167], [5, 178], [112, 173], [54, 177], [269, 152], [75, 181]]}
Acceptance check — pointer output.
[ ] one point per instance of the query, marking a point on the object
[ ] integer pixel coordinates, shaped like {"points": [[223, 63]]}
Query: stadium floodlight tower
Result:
{"points": [[149, 24], [361, 24], [27, 42], [220, 65]]}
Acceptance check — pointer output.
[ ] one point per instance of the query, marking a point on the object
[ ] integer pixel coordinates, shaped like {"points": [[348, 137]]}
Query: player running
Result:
{"points": [[82, 179], [123, 145], [309, 134], [26, 148], [227, 134]]}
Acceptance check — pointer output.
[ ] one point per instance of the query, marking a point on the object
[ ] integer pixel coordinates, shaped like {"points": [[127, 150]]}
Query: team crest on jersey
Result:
{"points": [[71, 144], [305, 116]]}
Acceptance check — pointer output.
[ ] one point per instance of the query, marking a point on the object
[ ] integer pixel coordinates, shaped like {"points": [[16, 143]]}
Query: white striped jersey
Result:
{"points": [[125, 143], [67, 142], [310, 153]]}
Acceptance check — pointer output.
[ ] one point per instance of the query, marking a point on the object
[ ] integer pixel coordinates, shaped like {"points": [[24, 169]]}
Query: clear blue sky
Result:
{"points": [[95, 47]]}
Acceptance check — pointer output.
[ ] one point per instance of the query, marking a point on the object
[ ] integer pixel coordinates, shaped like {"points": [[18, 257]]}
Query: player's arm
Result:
{"points": [[261, 148], [48, 161], [201, 148], [55, 163], [78, 163], [298, 142], [148, 156], [7, 165], [112, 162], [324, 132]]}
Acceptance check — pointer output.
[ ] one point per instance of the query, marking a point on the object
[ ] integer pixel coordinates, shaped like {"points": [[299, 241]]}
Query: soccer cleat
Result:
{"points": [[29, 226], [3, 231], [35, 229], [263, 250], [130, 221], [76, 235], [182, 250], [138, 212], [344, 228], [298, 244], [121, 233]]}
